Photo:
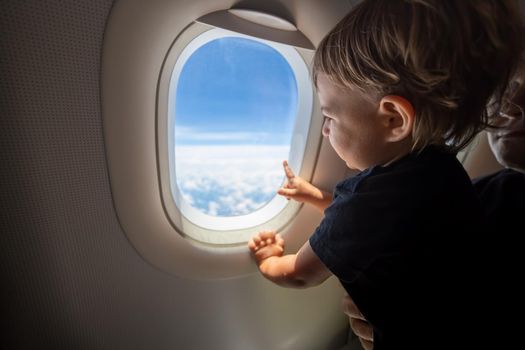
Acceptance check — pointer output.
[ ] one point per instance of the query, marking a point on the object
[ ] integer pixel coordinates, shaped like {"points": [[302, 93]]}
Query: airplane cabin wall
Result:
{"points": [[71, 279]]}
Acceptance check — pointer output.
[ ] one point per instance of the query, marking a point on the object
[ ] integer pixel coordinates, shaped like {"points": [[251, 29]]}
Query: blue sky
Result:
{"points": [[235, 91]]}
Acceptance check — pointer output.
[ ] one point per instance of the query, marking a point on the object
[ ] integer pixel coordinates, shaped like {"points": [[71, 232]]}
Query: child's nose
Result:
{"points": [[326, 128]]}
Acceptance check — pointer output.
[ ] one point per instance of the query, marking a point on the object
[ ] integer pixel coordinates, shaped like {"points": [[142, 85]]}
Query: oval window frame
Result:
{"points": [[277, 213], [136, 42]]}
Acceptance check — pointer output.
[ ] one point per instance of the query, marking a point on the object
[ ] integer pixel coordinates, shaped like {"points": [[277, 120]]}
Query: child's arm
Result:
{"points": [[302, 191], [300, 270]]}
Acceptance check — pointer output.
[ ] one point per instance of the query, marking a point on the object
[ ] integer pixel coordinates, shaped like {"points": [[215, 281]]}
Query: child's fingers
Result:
{"points": [[279, 240], [287, 192], [288, 172], [266, 235], [263, 239], [257, 242]]}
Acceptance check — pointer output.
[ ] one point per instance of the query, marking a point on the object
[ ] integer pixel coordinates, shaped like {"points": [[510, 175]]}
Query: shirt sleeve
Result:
{"points": [[349, 238]]}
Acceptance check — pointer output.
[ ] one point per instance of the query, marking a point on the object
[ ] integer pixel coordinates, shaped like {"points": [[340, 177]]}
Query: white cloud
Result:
{"points": [[212, 208], [184, 134], [221, 136], [188, 198], [229, 180]]}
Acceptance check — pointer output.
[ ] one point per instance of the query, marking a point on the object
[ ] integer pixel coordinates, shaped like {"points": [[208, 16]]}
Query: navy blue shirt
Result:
{"points": [[502, 196], [401, 240]]}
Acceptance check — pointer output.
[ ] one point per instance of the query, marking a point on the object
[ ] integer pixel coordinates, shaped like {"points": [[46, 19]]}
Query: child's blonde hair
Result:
{"points": [[449, 58]]}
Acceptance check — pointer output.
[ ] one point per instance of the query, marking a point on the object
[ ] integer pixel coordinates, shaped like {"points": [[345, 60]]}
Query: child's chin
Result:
{"points": [[351, 166]]}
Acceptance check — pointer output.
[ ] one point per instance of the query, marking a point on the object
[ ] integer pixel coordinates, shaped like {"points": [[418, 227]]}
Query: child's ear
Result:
{"points": [[397, 115]]}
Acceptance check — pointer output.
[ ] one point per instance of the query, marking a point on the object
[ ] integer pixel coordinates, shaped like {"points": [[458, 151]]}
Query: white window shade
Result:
{"points": [[258, 25]]}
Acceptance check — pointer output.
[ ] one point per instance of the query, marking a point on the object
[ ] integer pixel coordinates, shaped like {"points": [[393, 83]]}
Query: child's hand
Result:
{"points": [[266, 244], [298, 189], [300, 270]]}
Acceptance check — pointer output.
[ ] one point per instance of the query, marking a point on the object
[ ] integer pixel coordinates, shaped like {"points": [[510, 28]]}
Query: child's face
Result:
{"points": [[352, 124], [508, 142]]}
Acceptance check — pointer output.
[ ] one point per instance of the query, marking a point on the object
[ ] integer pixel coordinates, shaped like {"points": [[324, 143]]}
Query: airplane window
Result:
{"points": [[235, 108], [195, 146]]}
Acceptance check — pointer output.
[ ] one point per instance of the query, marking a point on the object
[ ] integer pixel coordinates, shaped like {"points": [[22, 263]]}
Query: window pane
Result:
{"points": [[235, 109]]}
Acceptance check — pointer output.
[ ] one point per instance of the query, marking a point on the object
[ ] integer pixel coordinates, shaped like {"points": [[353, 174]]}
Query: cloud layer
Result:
{"points": [[229, 180]]}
